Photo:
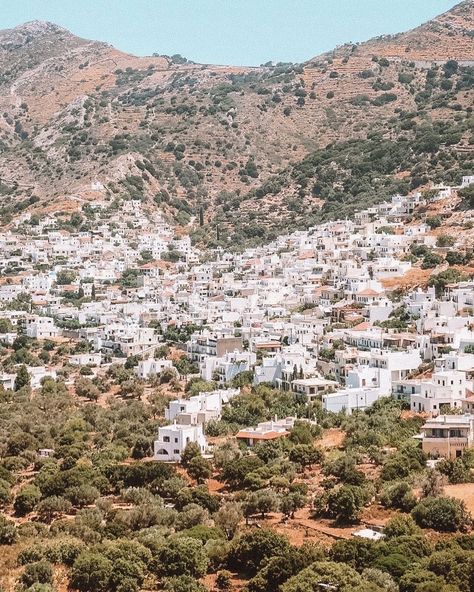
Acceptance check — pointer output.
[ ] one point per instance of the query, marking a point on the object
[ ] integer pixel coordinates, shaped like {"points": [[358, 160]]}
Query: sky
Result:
{"points": [[238, 32]]}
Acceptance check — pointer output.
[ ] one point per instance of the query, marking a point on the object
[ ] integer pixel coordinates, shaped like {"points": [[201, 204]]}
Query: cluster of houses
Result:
{"points": [[309, 313]]}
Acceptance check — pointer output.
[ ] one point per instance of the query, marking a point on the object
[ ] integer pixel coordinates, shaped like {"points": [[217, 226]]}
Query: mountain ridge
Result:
{"points": [[188, 137]]}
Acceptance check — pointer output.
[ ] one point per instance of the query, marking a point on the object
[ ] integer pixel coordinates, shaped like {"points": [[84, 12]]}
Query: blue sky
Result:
{"points": [[240, 32]]}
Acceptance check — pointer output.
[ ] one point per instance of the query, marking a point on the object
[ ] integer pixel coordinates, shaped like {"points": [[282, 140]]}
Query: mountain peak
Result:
{"points": [[39, 27]]}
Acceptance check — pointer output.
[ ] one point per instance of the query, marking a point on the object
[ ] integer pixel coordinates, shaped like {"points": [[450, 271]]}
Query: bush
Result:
{"points": [[400, 526], [183, 556], [26, 500], [8, 533], [443, 513], [91, 572], [398, 496], [345, 504], [40, 572], [252, 549]]}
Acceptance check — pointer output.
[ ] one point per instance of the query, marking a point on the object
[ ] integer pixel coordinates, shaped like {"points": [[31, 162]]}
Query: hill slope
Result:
{"points": [[242, 144]]}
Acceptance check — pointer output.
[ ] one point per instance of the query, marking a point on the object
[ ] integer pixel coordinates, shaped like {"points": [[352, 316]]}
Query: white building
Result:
{"points": [[41, 327], [200, 408], [153, 367], [173, 439]]}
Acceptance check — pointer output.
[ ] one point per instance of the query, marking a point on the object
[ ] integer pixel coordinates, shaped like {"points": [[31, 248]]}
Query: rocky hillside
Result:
{"points": [[248, 150]]}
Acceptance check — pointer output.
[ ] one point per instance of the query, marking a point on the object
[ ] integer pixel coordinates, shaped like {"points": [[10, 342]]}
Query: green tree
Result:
{"points": [[182, 556], [51, 507], [398, 496], [443, 513], [26, 500], [306, 455], [66, 276], [292, 501], [142, 448], [228, 518], [91, 572], [324, 573], [191, 451], [182, 584], [400, 525], [8, 532], [345, 504], [224, 580], [22, 378], [40, 572], [199, 468], [86, 388], [253, 548]]}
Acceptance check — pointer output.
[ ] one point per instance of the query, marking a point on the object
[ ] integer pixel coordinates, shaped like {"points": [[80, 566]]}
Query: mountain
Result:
{"points": [[254, 150]]}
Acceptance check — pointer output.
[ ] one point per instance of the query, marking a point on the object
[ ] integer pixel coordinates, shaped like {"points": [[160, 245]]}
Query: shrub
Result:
{"points": [[252, 549], [8, 533], [400, 526], [26, 500], [398, 496], [183, 556], [40, 572], [443, 513], [91, 572]]}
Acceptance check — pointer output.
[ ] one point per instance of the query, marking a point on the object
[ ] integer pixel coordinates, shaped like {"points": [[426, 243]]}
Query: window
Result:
{"points": [[166, 438], [176, 440], [176, 451]]}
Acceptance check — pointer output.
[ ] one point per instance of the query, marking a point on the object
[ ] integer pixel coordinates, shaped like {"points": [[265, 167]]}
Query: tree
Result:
{"points": [[91, 572], [400, 525], [65, 276], [306, 455], [433, 484], [82, 495], [86, 388], [235, 472], [26, 499], [6, 326], [226, 453], [40, 572], [51, 507], [443, 513], [398, 496], [253, 548], [262, 501], [141, 448], [445, 240], [8, 532], [5, 493], [191, 451], [291, 502], [342, 577], [22, 378], [379, 578], [412, 579], [448, 276], [228, 518], [199, 468], [224, 580], [182, 556], [182, 584], [345, 504]]}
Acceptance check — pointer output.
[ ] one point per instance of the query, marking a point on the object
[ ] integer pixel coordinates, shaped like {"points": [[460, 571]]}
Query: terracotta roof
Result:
{"points": [[368, 292], [361, 326]]}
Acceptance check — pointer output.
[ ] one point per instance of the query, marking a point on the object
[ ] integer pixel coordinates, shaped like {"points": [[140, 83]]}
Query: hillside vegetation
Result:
{"points": [[270, 145]]}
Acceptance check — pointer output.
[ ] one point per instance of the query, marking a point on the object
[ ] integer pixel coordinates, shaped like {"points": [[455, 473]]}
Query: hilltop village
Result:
{"points": [[159, 394], [311, 313]]}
